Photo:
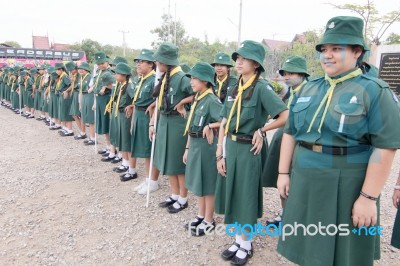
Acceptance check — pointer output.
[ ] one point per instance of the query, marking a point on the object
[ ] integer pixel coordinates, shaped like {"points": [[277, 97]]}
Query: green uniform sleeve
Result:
{"points": [[66, 80], [215, 109], [271, 101]]}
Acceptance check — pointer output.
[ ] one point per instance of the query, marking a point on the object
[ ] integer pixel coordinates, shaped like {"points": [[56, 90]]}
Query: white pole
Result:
{"points": [[152, 154], [240, 24], [20, 99]]}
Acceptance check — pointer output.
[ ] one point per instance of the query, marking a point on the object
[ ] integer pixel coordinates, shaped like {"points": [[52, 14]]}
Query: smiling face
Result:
{"points": [[221, 70], [337, 59], [102, 66]]}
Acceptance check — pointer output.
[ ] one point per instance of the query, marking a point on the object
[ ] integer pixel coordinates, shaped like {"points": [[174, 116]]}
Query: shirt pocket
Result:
{"points": [[299, 113], [199, 118], [145, 93], [172, 97], [348, 117], [248, 110]]}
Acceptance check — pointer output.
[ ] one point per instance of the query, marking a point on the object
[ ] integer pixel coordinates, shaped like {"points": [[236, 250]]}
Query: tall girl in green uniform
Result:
{"points": [[337, 148], [39, 92], [244, 114], [201, 169], [173, 93], [86, 101], [64, 104], [223, 78], [294, 72], [396, 202]]}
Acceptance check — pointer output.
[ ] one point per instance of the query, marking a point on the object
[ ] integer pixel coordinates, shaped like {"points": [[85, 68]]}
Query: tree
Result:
{"points": [[372, 19], [13, 44], [89, 46], [393, 39], [172, 31]]}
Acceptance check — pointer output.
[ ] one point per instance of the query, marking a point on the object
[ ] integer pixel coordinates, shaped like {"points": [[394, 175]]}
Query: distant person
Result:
{"points": [[223, 78]]}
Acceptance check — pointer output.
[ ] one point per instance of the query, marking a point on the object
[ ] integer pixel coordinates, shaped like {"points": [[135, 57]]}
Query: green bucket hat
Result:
{"points": [[71, 65], [222, 59], [119, 59], [84, 66], [16, 68], [185, 67], [54, 75], [294, 64], [146, 55], [59, 66], [40, 67], [33, 71], [167, 54], [251, 50], [107, 78], [100, 58], [24, 73], [123, 69], [203, 71], [345, 30], [51, 69]]}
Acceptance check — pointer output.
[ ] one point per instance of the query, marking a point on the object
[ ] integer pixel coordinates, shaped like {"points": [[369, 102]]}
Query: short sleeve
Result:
{"points": [[271, 102], [66, 80], [215, 109]]}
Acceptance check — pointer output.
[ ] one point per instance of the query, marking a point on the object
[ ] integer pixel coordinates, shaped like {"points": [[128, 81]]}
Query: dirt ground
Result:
{"points": [[60, 205]]}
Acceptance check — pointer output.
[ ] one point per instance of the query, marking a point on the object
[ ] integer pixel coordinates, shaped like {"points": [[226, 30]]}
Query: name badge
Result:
{"points": [[230, 99], [303, 99]]}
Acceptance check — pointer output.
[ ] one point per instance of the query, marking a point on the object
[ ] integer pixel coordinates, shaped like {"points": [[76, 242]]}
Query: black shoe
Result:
{"points": [[80, 137], [66, 134], [127, 176], [237, 261], [121, 169], [275, 221], [227, 254], [107, 159], [89, 142], [194, 223], [166, 203], [55, 128], [106, 154], [102, 151], [172, 209], [116, 159], [203, 228]]}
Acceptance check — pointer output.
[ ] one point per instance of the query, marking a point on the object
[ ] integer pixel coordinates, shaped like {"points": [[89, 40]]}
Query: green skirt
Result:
{"points": [[2, 91], [114, 127], [30, 100], [240, 194], [396, 231], [23, 98], [74, 110], [124, 138], [7, 91], [201, 168], [87, 111], [15, 101], [140, 142], [63, 108], [45, 104], [102, 120], [53, 105], [170, 145], [271, 165], [37, 101], [323, 190]]}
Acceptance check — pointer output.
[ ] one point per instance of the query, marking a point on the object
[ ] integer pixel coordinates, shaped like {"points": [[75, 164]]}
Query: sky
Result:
{"points": [[74, 20]]}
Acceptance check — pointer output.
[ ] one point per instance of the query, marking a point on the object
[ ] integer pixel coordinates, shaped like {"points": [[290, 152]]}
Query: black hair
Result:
{"points": [[251, 88], [157, 89], [225, 85]]}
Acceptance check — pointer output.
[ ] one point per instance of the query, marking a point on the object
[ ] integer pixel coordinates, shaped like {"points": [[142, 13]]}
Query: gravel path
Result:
{"points": [[60, 205]]}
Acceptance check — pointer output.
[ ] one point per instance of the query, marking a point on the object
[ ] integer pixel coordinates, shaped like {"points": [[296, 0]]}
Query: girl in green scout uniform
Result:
{"points": [[112, 155], [337, 148], [64, 104], [173, 93], [53, 102], [102, 118], [39, 91], [294, 72], [396, 202], [244, 114], [124, 98], [223, 79], [46, 93], [2, 74], [142, 110], [6, 88], [28, 83], [86, 101], [201, 172]]}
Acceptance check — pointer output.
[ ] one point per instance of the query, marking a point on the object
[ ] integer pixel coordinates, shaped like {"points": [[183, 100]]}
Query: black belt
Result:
{"points": [[334, 150], [140, 108], [196, 134], [247, 139], [84, 92], [173, 112]]}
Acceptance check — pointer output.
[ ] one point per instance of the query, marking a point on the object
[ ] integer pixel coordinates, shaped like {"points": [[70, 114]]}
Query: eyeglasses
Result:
{"points": [[140, 61]]}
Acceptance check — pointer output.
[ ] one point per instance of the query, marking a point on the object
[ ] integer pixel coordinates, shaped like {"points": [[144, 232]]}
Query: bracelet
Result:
{"points": [[187, 148], [209, 126], [368, 196], [262, 134], [397, 187], [151, 125], [284, 173]]}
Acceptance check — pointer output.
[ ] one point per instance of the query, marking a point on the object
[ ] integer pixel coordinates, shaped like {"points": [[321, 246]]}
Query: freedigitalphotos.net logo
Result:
{"points": [[296, 229]]}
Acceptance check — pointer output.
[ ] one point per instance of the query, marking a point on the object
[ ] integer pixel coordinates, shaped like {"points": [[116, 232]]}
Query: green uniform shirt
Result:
{"points": [[254, 111], [225, 87], [76, 83], [98, 84], [64, 84], [207, 111], [363, 110], [145, 96], [85, 83], [125, 98], [178, 89], [29, 85]]}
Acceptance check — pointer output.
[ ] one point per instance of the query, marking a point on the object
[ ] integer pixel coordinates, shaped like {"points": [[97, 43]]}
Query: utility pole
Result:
{"points": [[240, 24], [123, 39], [169, 21]]}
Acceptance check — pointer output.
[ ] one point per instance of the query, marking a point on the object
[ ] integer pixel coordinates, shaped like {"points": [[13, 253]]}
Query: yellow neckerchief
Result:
{"points": [[164, 81], [197, 99], [82, 79], [41, 81], [59, 81], [119, 94], [142, 79], [328, 96], [220, 83], [110, 102], [238, 102], [294, 91], [34, 80], [25, 83], [97, 79], [73, 83]]}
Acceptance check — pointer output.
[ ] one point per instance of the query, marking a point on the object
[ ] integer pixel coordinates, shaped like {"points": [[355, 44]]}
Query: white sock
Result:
{"points": [[69, 131], [125, 162], [247, 246], [238, 240], [119, 155], [182, 200], [153, 182], [83, 133], [200, 216], [111, 154], [57, 125], [174, 197], [132, 171]]}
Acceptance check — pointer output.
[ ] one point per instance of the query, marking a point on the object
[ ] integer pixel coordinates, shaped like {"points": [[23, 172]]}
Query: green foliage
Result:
{"points": [[278, 87], [13, 44], [393, 39], [89, 46], [166, 32]]}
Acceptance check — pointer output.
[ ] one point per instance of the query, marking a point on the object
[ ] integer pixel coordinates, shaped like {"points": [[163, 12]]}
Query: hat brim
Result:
{"points": [[144, 58], [220, 63], [341, 40], [84, 68], [165, 61], [194, 73], [247, 55], [293, 70], [101, 61]]}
